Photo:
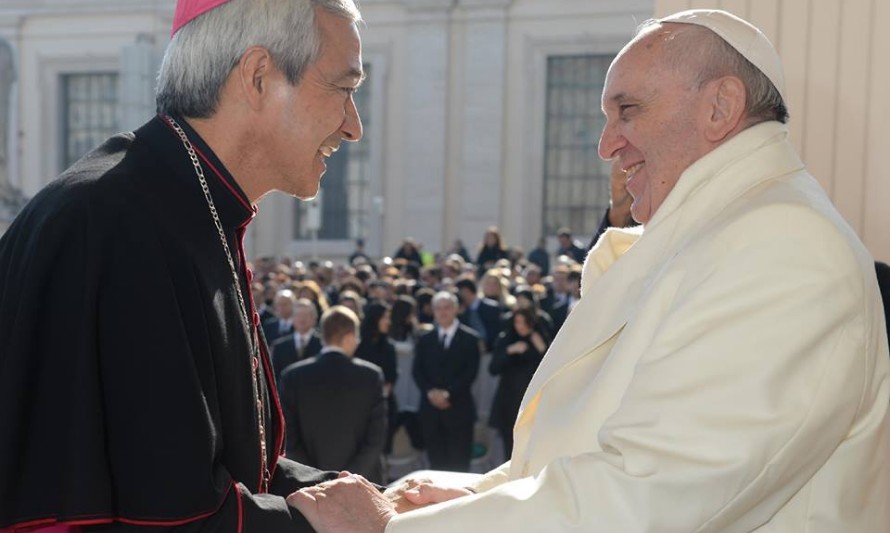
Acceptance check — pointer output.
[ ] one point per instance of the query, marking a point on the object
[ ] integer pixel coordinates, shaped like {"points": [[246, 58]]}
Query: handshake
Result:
{"points": [[353, 504]]}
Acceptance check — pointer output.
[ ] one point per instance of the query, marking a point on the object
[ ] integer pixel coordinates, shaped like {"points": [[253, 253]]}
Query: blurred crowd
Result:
{"points": [[456, 336]]}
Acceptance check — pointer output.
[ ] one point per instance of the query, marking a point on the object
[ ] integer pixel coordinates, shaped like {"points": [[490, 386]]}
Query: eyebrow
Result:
{"points": [[352, 74]]}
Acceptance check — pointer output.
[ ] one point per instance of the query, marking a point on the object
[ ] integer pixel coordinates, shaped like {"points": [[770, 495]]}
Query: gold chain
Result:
{"points": [[253, 339]]}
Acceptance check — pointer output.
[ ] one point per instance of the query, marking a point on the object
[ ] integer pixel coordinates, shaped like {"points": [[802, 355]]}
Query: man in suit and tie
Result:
{"points": [[568, 300], [569, 247], [445, 366], [283, 305], [481, 314], [333, 404], [302, 343]]}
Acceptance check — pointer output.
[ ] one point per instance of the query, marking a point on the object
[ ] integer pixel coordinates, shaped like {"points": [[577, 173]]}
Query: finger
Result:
{"points": [[343, 473], [426, 494], [361, 479], [415, 481], [302, 500]]}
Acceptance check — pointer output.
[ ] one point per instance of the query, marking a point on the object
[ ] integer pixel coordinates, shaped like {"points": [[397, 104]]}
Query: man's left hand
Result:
{"points": [[348, 504]]}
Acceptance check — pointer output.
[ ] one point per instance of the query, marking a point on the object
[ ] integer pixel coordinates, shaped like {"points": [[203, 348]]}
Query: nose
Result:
{"points": [[352, 124], [611, 141]]}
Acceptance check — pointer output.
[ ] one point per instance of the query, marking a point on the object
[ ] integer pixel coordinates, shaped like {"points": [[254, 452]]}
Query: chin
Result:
{"points": [[307, 197], [303, 192]]}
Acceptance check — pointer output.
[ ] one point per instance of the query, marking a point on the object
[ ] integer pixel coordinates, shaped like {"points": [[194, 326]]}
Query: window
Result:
{"points": [[345, 199], [576, 181], [89, 113]]}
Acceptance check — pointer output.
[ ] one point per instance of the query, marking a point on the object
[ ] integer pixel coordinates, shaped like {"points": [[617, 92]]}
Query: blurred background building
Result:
{"points": [[476, 112]]}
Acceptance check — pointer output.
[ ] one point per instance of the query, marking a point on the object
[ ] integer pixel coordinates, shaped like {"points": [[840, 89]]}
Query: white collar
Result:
{"points": [[449, 332]]}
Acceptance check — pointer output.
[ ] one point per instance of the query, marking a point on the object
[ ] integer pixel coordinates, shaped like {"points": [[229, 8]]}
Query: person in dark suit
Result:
{"points": [[334, 408], [539, 256], [481, 314], [564, 306], [376, 348], [568, 246], [303, 343], [259, 301], [281, 325], [883, 272], [517, 353], [445, 365], [617, 215]]}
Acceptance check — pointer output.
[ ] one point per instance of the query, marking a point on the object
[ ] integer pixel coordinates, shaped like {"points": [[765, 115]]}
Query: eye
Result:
{"points": [[626, 109]]}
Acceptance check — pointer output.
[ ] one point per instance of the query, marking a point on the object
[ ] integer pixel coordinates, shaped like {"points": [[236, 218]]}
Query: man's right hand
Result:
{"points": [[418, 493]]}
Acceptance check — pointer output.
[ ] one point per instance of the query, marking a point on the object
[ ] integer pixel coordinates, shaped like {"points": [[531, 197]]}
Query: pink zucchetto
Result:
{"points": [[188, 10]]}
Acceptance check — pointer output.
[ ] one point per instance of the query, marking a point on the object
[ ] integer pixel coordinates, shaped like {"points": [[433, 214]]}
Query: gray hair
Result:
{"points": [[712, 57], [445, 295], [306, 303], [202, 53], [286, 294]]}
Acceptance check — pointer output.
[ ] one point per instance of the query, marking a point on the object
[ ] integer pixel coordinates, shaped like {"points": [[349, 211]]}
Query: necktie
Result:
{"points": [[442, 338], [300, 344]]}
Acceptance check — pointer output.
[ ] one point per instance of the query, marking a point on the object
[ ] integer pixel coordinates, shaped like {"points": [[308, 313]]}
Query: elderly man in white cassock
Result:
{"points": [[740, 382]]}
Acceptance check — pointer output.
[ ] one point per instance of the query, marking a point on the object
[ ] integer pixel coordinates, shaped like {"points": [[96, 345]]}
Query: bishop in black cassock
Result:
{"points": [[126, 395]]}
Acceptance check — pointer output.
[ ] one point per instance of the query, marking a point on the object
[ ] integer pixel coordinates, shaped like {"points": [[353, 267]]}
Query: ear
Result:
{"points": [[727, 100], [253, 74]]}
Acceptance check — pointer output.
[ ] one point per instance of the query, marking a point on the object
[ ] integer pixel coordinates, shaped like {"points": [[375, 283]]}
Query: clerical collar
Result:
{"points": [[232, 204]]}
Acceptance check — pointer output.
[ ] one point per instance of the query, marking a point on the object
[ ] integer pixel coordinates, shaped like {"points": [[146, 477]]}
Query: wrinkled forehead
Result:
{"points": [[639, 59], [643, 61], [649, 45]]}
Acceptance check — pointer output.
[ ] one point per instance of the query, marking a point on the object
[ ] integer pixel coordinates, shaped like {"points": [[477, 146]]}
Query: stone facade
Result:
{"points": [[457, 99]]}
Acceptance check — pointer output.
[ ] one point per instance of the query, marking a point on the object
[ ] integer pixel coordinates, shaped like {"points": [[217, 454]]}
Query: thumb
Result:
{"points": [[302, 501], [306, 504]]}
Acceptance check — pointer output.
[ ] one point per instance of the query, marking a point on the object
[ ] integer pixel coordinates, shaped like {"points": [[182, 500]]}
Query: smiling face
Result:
{"points": [[653, 120], [306, 122]]}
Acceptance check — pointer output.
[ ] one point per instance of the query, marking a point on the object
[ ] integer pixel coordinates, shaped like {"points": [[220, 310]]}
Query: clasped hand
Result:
{"points": [[439, 398], [352, 504]]}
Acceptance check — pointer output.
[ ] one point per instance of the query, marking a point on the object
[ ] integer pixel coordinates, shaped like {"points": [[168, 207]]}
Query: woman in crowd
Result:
{"points": [[517, 353], [404, 332], [376, 347], [353, 301], [495, 287], [409, 252], [310, 290], [527, 297], [492, 249]]}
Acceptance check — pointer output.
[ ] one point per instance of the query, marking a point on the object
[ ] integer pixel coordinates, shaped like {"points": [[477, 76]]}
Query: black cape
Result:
{"points": [[126, 397]]}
